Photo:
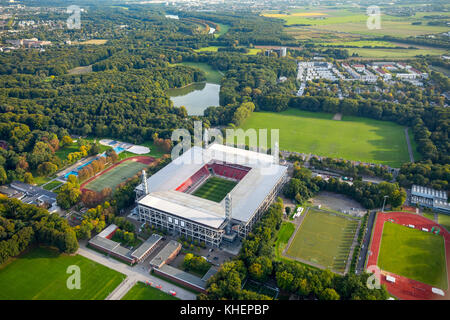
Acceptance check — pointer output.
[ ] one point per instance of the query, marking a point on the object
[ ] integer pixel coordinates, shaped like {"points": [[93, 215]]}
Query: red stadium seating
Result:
{"points": [[231, 171]]}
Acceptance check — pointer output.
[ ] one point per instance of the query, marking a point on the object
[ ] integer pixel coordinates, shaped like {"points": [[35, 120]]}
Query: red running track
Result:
{"points": [[143, 159], [404, 288]]}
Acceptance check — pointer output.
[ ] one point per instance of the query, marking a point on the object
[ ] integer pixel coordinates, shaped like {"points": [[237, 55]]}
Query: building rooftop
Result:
{"points": [[104, 243], [165, 253], [107, 231], [147, 245], [183, 276]]}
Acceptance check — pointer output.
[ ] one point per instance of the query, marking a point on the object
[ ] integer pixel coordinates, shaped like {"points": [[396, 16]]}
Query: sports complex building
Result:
{"points": [[430, 198], [212, 194]]}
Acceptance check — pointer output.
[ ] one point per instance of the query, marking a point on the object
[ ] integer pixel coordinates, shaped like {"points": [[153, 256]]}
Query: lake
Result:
{"points": [[196, 97]]}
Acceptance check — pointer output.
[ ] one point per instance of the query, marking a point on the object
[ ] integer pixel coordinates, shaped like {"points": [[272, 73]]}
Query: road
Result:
{"points": [[134, 274], [363, 253], [408, 143]]}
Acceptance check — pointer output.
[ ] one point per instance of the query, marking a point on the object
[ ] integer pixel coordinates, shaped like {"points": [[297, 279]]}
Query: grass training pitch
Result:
{"points": [[324, 238], [444, 220], [40, 274], [285, 233], [115, 176], [352, 138], [141, 291], [215, 189], [413, 254]]}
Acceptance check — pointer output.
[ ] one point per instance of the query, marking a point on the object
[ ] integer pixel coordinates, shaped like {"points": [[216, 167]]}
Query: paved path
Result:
{"points": [[134, 274], [122, 289], [408, 143], [365, 246]]}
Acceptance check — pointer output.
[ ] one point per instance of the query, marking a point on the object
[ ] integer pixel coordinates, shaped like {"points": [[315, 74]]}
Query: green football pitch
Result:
{"points": [[352, 138], [215, 189], [141, 291], [115, 176], [41, 274], [413, 254], [324, 238]]}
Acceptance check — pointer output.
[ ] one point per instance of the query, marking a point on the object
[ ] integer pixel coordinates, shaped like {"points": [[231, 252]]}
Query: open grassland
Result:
{"points": [[155, 151], [414, 254], [395, 53], [93, 41], [208, 49], [360, 44], [112, 178], [63, 152], [352, 20], [52, 185], [285, 233], [212, 75], [251, 51], [324, 238], [223, 28], [444, 220], [215, 189], [80, 70], [141, 291], [352, 138], [40, 274]]}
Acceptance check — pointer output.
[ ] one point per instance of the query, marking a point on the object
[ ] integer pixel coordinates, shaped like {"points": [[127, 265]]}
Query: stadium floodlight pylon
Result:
{"points": [[228, 212]]}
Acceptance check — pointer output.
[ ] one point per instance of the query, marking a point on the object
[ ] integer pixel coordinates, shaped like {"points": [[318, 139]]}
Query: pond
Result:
{"points": [[196, 97]]}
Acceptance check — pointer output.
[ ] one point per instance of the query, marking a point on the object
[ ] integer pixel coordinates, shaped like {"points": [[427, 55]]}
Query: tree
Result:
{"points": [[3, 176], [329, 294], [66, 141], [28, 178], [46, 168], [285, 280]]}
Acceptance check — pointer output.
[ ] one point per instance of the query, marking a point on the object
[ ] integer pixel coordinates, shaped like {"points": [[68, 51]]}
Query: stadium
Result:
{"points": [[211, 194]]}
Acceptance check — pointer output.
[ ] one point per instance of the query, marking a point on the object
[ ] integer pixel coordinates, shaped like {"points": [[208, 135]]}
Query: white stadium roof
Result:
{"points": [[247, 196]]}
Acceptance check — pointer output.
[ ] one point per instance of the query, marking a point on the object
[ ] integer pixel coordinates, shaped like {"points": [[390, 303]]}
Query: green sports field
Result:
{"points": [[141, 291], [41, 274], [444, 220], [413, 254], [215, 189], [324, 238], [112, 178], [285, 233], [352, 138]]}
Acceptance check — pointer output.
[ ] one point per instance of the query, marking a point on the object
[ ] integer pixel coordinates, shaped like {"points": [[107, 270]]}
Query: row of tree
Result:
{"points": [[370, 195], [22, 225], [349, 169]]}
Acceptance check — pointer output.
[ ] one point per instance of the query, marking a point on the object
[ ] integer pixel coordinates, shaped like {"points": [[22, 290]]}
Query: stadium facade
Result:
{"points": [[166, 199], [430, 198]]}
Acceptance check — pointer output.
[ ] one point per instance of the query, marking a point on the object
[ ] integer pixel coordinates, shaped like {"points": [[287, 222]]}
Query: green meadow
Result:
{"points": [[41, 274], [351, 138]]}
